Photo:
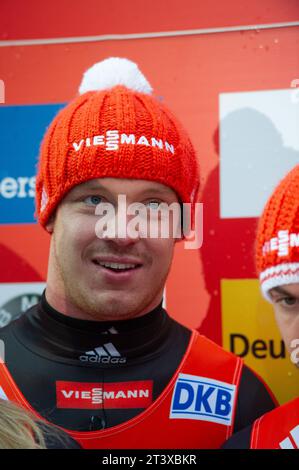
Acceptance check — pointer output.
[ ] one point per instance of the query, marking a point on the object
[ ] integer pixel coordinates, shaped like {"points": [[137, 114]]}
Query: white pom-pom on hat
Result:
{"points": [[114, 71]]}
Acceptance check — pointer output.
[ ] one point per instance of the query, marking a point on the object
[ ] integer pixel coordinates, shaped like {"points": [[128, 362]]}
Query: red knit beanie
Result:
{"points": [[277, 246], [115, 128]]}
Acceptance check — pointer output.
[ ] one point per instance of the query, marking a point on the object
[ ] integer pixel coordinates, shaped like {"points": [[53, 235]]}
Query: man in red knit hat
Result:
{"points": [[277, 259], [99, 355]]}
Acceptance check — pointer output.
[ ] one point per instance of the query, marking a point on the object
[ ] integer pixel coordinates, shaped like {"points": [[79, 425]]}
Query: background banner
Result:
{"points": [[236, 93]]}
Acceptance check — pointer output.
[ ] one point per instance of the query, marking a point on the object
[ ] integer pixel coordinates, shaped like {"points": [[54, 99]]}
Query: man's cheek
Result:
{"points": [[80, 236], [294, 347]]}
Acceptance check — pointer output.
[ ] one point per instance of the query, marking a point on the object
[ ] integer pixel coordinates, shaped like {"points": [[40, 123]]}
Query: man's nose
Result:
{"points": [[119, 226], [126, 233]]}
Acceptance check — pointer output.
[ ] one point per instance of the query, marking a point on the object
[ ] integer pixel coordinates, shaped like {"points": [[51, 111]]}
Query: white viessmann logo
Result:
{"points": [[112, 139], [106, 354], [287, 443], [97, 395], [282, 243]]}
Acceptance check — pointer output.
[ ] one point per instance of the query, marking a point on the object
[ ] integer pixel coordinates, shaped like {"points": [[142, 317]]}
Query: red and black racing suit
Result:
{"points": [[44, 347]]}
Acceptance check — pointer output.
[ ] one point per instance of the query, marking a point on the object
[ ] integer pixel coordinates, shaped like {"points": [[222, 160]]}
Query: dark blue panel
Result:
{"points": [[21, 131]]}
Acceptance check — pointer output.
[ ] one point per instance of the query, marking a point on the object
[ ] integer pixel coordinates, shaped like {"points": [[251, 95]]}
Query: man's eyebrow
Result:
{"points": [[152, 191], [91, 187], [281, 290]]}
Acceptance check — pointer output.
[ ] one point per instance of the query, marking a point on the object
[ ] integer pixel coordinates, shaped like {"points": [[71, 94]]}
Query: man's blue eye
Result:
{"points": [[289, 301], [93, 200], [153, 205]]}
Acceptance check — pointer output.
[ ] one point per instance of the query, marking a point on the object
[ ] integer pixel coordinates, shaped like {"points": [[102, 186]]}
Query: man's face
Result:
{"points": [[286, 306], [78, 284]]}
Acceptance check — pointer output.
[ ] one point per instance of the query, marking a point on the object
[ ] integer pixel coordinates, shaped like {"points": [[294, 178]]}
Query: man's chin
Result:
{"points": [[110, 306]]}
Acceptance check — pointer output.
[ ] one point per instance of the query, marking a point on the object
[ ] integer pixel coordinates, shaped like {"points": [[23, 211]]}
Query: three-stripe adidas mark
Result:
{"points": [[106, 354]]}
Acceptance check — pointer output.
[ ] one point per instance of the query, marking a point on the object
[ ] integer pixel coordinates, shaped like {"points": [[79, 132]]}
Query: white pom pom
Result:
{"points": [[114, 71]]}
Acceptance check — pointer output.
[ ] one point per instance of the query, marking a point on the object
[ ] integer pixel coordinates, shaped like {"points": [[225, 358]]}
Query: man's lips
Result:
{"points": [[126, 263], [125, 272], [117, 268]]}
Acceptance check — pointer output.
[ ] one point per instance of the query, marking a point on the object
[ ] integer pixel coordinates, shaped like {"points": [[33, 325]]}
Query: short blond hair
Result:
{"points": [[18, 428]]}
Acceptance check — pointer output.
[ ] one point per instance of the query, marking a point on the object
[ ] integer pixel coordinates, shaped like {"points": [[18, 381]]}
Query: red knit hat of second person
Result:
{"points": [[115, 128], [277, 246]]}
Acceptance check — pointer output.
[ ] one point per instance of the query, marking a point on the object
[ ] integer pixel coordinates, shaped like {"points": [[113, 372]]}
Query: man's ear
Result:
{"points": [[50, 224]]}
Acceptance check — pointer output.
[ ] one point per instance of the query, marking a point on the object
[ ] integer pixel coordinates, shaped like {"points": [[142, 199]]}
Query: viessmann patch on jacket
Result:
{"points": [[110, 395], [204, 399]]}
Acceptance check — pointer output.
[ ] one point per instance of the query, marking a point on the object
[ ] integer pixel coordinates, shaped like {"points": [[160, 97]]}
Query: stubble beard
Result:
{"points": [[102, 306]]}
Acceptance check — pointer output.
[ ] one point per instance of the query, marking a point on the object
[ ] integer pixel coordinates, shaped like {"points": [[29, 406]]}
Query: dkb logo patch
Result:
{"points": [[203, 399]]}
